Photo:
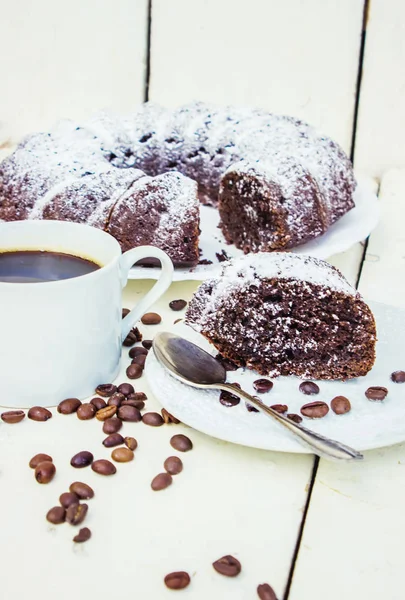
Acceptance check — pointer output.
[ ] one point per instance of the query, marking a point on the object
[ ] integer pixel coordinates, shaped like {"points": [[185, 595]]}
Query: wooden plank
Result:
{"points": [[380, 143], [298, 58], [70, 61], [356, 523]]}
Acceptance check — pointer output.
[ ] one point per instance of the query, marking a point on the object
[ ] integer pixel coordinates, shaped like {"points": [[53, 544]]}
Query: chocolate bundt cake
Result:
{"points": [[277, 182], [286, 314]]}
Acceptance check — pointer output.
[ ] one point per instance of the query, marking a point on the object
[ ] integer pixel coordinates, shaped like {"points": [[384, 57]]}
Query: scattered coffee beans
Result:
{"points": [[82, 490], [86, 411], [115, 439], [309, 388], [99, 403], [106, 390], [139, 360], [103, 467], [340, 405], [266, 592], [147, 344], [294, 417], [151, 318], [131, 443], [177, 321], [112, 425], [126, 389], [76, 513], [129, 413], [227, 565], [228, 399], [137, 403], [82, 459], [56, 515], [181, 443], [251, 408], [106, 413], [161, 482], [68, 498], [116, 399], [45, 472], [137, 396], [39, 413], [398, 376], [153, 419], [173, 465], [177, 580], [83, 535], [376, 393], [38, 458], [280, 408], [68, 406], [262, 385], [177, 304], [169, 418], [125, 312], [122, 455], [315, 410], [13, 416], [137, 351], [134, 371], [133, 336]]}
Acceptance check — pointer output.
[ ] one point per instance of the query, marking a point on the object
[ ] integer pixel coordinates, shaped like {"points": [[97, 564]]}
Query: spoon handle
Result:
{"points": [[320, 445]]}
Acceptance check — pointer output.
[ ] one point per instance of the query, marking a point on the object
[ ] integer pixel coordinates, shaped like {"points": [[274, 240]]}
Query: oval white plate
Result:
{"points": [[368, 425], [353, 227]]}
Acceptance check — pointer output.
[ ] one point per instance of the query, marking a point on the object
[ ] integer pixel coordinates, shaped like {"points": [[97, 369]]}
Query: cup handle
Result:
{"points": [[127, 260]]}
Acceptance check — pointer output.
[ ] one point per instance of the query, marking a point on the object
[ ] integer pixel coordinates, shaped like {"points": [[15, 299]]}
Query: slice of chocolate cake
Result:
{"points": [[286, 314]]}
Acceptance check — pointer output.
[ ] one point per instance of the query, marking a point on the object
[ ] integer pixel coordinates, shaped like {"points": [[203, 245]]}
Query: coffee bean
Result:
{"points": [[177, 321], [122, 455], [151, 318], [280, 408], [83, 535], [228, 399], [227, 565], [103, 467], [294, 417], [126, 389], [68, 406], [38, 458], [309, 388], [86, 411], [133, 337], [376, 392], [177, 304], [106, 389], [266, 592], [106, 413], [56, 515], [147, 344], [226, 363], [112, 425], [129, 413], [153, 419], [82, 490], [45, 472], [137, 403], [161, 482], [251, 408], [98, 403], [137, 351], [116, 399], [262, 385], [178, 580], [340, 405], [125, 312], [139, 360], [131, 443], [137, 396], [181, 443], [68, 498], [169, 418], [76, 513], [173, 465], [115, 439], [398, 376], [134, 371], [81, 459], [39, 413], [315, 410], [13, 416]]}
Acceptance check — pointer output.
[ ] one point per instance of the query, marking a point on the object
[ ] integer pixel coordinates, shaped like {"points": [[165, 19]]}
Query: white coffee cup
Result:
{"points": [[61, 339]]}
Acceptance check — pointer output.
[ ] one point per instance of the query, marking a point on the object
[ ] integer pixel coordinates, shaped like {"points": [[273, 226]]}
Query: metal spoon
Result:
{"points": [[193, 366]]}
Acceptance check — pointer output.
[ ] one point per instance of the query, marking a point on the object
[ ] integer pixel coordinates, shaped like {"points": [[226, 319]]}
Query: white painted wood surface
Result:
{"points": [[298, 58], [69, 60], [380, 141], [354, 531]]}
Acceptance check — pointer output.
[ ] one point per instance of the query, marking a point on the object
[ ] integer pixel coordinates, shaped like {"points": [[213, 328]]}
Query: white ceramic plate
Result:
{"points": [[368, 425], [353, 227]]}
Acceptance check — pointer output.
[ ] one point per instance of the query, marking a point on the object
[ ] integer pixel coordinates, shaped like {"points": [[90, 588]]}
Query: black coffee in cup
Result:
{"points": [[35, 266]]}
